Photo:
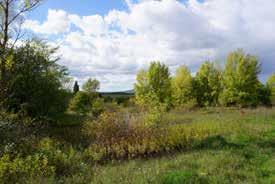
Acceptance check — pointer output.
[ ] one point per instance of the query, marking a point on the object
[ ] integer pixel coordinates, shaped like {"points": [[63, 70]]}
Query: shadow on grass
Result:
{"points": [[67, 128], [266, 144], [268, 140], [183, 177], [215, 143], [68, 120]]}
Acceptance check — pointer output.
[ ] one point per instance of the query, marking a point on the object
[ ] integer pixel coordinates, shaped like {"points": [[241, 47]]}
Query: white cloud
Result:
{"points": [[114, 46], [90, 25], [57, 22]]}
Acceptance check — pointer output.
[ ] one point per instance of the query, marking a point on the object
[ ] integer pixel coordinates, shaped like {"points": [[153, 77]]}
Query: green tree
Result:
{"points": [[142, 87], [87, 101], [207, 85], [154, 86], [91, 85], [271, 86], [240, 80], [264, 95], [76, 87], [11, 20], [35, 80], [182, 86], [81, 103]]}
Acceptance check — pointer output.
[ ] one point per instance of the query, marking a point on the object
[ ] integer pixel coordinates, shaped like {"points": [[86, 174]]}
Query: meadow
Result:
{"points": [[209, 145], [173, 127]]}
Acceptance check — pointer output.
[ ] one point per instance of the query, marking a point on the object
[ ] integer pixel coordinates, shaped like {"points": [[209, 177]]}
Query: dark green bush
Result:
{"points": [[35, 83]]}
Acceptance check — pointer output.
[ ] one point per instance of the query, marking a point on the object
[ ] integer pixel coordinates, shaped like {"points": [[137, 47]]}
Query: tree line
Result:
{"points": [[237, 84], [38, 86], [32, 83]]}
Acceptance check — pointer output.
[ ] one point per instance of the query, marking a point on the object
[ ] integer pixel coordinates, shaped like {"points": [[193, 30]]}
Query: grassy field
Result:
{"points": [[202, 146], [243, 155]]}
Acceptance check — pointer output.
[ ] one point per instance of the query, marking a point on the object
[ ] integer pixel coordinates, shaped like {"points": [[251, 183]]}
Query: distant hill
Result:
{"points": [[128, 93]]}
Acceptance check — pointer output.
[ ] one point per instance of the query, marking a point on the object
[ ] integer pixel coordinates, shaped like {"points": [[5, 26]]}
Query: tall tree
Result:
{"points": [[240, 80], [91, 85], [154, 85], [35, 85], [182, 86], [142, 87], [207, 84], [11, 14]]}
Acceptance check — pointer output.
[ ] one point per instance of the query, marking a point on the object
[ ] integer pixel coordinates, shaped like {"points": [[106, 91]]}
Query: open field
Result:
{"points": [[203, 146], [243, 154], [137, 92]]}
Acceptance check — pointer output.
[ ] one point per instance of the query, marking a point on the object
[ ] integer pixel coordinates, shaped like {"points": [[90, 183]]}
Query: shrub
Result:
{"points": [[32, 169], [118, 135], [66, 160], [86, 103]]}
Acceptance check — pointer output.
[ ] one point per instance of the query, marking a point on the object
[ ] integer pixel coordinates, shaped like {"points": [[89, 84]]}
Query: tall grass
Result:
{"points": [[202, 146]]}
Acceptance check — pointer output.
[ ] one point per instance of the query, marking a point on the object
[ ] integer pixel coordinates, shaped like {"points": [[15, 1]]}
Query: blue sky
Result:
{"points": [[85, 7], [113, 39], [82, 7]]}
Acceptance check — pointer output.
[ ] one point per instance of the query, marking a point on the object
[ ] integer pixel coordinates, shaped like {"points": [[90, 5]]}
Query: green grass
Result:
{"points": [[239, 149], [246, 156]]}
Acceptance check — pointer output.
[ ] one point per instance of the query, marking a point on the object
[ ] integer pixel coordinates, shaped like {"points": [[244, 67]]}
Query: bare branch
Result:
{"points": [[23, 10], [18, 36]]}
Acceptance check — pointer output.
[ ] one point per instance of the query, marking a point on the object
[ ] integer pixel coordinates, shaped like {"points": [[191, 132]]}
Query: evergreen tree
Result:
{"points": [[76, 87]]}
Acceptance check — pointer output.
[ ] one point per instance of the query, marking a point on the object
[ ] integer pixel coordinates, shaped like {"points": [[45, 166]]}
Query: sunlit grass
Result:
{"points": [[203, 146]]}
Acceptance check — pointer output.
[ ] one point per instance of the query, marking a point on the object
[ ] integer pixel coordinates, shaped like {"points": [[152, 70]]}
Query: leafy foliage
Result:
{"points": [[142, 87], [91, 85], [182, 86], [86, 103], [240, 80], [154, 86], [207, 85], [25, 170], [35, 81], [271, 86]]}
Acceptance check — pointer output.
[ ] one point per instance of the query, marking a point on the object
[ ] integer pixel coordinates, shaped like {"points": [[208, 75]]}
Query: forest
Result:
{"points": [[214, 126]]}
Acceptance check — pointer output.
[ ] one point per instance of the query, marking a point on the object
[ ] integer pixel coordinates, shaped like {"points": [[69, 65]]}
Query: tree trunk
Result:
{"points": [[3, 78]]}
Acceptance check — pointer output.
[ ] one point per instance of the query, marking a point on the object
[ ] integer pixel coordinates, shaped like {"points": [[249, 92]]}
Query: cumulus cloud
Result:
{"points": [[113, 47], [57, 22]]}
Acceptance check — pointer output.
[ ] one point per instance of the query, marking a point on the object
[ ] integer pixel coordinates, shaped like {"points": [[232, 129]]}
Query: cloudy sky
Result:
{"points": [[112, 39]]}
